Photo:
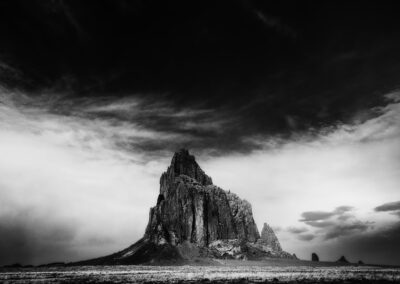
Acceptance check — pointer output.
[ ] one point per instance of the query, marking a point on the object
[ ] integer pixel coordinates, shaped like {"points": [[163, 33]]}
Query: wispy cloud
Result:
{"points": [[274, 23], [337, 223], [390, 206], [354, 164], [343, 229], [295, 230], [316, 216], [306, 237], [61, 174], [73, 157], [320, 224]]}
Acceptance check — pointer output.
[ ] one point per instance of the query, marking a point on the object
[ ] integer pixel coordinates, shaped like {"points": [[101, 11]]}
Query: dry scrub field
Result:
{"points": [[202, 274]]}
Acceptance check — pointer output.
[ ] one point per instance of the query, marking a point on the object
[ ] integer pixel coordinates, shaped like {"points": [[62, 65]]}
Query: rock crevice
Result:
{"points": [[191, 208]]}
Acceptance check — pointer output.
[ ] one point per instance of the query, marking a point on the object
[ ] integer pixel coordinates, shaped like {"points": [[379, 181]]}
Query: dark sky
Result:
{"points": [[293, 104], [278, 67]]}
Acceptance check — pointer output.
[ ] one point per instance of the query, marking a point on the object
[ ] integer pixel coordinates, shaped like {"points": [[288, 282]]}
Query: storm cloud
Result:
{"points": [[335, 224], [293, 106], [339, 230], [377, 246], [245, 68]]}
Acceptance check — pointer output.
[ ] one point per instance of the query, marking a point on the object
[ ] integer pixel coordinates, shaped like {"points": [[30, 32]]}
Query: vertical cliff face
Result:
{"points": [[243, 218], [195, 219], [190, 208]]}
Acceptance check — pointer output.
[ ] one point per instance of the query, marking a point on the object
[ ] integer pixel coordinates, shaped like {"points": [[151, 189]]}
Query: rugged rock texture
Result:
{"points": [[269, 239], [190, 208], [314, 257], [195, 219]]}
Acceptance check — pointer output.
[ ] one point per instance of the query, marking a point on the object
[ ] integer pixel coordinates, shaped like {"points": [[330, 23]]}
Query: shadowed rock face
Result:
{"points": [[195, 219], [269, 239], [314, 257], [190, 208], [342, 259]]}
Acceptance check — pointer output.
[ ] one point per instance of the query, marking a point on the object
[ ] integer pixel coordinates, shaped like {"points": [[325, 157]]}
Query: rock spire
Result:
{"points": [[190, 208], [269, 239], [193, 218]]}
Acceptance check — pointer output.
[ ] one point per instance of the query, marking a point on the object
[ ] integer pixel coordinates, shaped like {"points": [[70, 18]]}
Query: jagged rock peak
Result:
{"points": [[190, 208], [183, 163], [269, 238], [342, 259], [194, 218]]}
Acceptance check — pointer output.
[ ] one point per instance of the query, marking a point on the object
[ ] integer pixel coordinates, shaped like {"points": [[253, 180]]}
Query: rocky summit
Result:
{"points": [[269, 239], [194, 219]]}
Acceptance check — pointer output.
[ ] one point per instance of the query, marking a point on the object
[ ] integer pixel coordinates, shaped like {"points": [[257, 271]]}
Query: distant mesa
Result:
{"points": [[342, 259], [53, 264], [314, 257], [17, 265], [195, 220], [14, 265]]}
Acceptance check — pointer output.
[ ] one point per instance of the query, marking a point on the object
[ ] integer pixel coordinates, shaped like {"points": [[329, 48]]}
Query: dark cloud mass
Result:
{"points": [[335, 224], [306, 237], [299, 97], [316, 216], [340, 230], [257, 67], [391, 206], [22, 238], [380, 246]]}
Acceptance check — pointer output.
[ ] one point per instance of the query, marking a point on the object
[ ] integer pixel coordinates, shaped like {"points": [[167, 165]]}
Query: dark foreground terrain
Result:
{"points": [[225, 272]]}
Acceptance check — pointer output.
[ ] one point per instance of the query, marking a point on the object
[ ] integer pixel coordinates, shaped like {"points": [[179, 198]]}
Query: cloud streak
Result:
{"points": [[78, 156], [61, 174], [390, 206], [313, 216], [335, 224], [306, 237], [316, 216]]}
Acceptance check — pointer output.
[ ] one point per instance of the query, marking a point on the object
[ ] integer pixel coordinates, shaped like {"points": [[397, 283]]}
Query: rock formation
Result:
{"points": [[342, 259], [269, 239], [190, 208], [195, 219], [314, 257]]}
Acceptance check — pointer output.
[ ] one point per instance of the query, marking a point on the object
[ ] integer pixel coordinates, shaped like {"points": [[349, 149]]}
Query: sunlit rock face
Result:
{"points": [[190, 208], [194, 219]]}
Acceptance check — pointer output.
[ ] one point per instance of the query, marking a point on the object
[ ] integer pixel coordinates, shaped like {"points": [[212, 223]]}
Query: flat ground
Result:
{"points": [[227, 271]]}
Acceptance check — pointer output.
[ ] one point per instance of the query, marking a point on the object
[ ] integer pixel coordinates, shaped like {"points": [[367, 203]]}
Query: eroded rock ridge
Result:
{"points": [[193, 218]]}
